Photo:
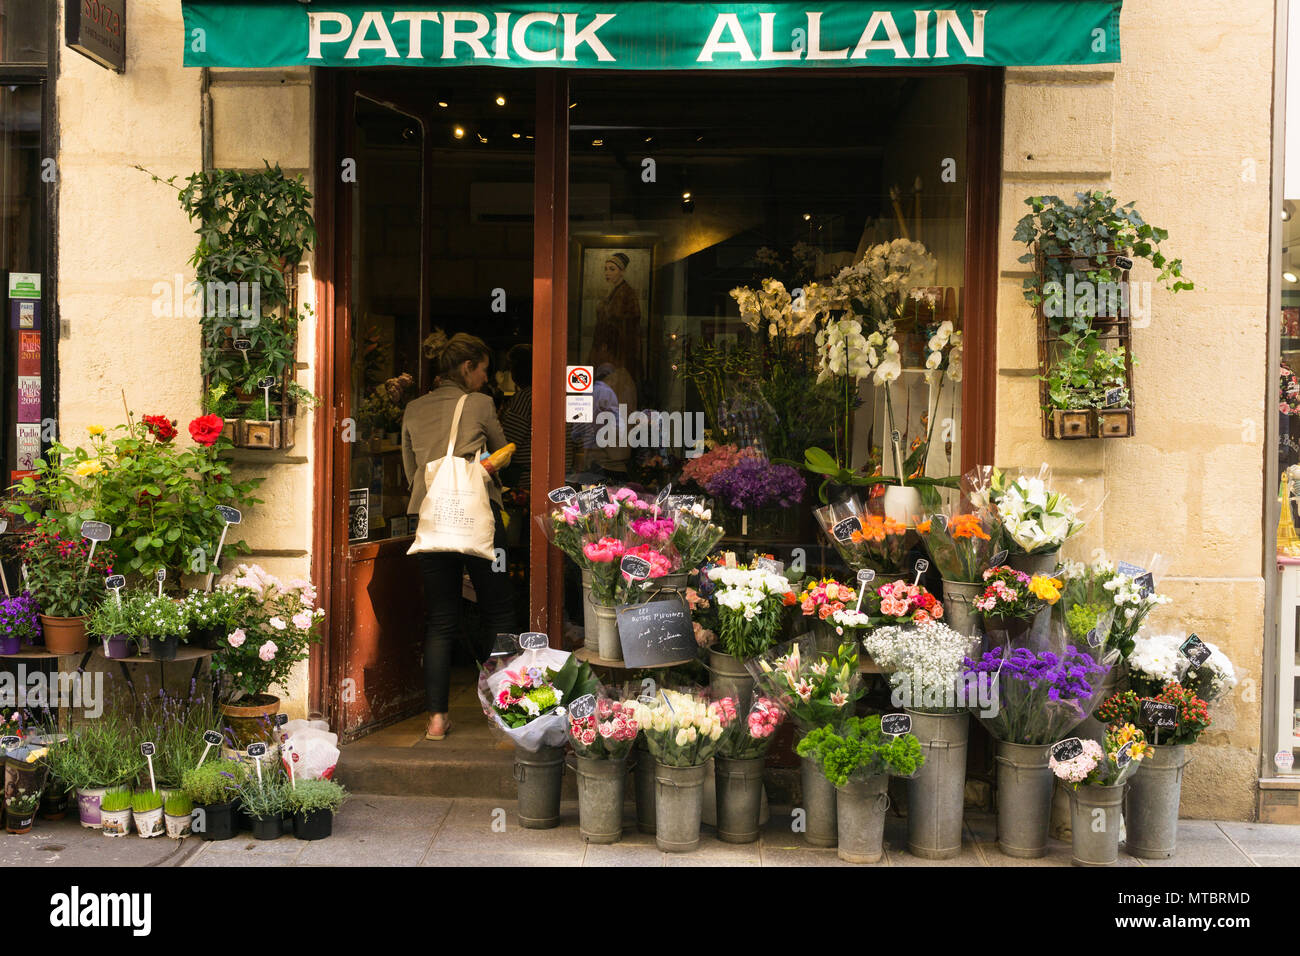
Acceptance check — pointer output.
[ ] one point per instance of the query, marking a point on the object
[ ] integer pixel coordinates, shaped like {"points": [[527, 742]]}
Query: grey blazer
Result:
{"points": [[426, 426]]}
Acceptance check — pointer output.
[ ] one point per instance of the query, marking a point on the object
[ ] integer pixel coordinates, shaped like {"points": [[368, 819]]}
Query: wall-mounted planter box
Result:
{"points": [[1079, 423], [1115, 423]]}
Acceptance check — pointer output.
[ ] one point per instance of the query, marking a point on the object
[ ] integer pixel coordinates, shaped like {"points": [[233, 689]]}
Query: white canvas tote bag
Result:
{"points": [[456, 514]]}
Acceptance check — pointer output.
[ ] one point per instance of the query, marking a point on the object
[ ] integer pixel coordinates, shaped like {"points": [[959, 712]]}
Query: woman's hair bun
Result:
{"points": [[435, 344]]}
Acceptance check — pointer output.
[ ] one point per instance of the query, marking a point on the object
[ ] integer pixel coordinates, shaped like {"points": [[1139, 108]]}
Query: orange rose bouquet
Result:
{"points": [[864, 540], [960, 544]]}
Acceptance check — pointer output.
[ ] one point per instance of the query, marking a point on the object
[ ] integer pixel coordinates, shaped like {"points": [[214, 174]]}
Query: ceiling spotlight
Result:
{"points": [[501, 100], [700, 138], [687, 194], [1289, 276], [597, 142], [649, 138], [688, 204], [573, 104], [458, 132], [442, 103], [481, 137], [514, 135], [807, 217], [528, 136]]}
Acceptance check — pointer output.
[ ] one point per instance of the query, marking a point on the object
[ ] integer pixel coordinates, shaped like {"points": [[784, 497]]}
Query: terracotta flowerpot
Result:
{"points": [[64, 635], [252, 720]]}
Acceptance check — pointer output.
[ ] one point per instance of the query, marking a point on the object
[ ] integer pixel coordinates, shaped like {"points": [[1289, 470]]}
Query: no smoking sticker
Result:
{"points": [[580, 379]]}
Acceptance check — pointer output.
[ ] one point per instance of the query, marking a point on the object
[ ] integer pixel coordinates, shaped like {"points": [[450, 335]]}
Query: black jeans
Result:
{"points": [[443, 575]]}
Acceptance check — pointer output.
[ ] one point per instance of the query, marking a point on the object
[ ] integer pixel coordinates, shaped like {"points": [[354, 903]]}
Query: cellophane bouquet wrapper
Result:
{"points": [[880, 546], [682, 727], [1036, 512], [524, 697], [610, 731], [814, 689]]}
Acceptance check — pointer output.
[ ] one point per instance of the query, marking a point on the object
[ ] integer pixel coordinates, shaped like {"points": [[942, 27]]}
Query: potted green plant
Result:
{"points": [[109, 623], [214, 787], [1085, 241], [858, 759], [115, 811], [264, 802], [20, 810], [1087, 386], [147, 809], [313, 804], [277, 625], [66, 581], [97, 755], [178, 810], [165, 623]]}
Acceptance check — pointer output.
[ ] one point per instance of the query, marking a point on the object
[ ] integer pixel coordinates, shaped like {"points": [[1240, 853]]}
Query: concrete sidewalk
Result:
{"points": [[374, 830]]}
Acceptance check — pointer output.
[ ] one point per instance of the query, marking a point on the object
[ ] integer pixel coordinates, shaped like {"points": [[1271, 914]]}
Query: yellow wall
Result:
{"points": [[1182, 127], [120, 233]]}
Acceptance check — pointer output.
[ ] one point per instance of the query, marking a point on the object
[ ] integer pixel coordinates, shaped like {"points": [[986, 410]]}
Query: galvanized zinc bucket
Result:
{"points": [[600, 798], [729, 678], [860, 808], [739, 786], [644, 778], [611, 649], [1024, 799], [1094, 825], [936, 795], [539, 775], [959, 611], [818, 805], [679, 795], [1151, 810], [590, 629]]}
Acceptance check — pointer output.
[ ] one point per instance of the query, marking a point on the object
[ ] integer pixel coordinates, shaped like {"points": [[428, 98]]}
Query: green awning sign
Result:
{"points": [[626, 35]]}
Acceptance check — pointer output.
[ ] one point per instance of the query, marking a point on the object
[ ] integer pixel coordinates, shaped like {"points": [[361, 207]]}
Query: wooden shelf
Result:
{"points": [[595, 660], [37, 654], [182, 654]]}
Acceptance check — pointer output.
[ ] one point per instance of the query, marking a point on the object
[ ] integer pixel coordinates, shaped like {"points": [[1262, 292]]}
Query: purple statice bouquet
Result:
{"points": [[1040, 696], [19, 618], [757, 483]]}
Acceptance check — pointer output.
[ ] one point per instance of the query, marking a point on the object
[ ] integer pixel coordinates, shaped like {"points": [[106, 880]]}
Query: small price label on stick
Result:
{"points": [[243, 345], [866, 576], [999, 559], [1113, 396], [1124, 262], [9, 740], [843, 531], [281, 719], [160, 575], [147, 749], [268, 382], [896, 724], [591, 499], [534, 641], [211, 737], [583, 707], [1125, 755], [1067, 749], [635, 567], [231, 515], [1194, 650], [1093, 638], [1159, 715], [96, 530], [115, 581], [257, 750], [562, 495]]}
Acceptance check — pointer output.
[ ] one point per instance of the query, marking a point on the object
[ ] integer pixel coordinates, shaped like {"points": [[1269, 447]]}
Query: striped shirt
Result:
{"points": [[517, 423]]}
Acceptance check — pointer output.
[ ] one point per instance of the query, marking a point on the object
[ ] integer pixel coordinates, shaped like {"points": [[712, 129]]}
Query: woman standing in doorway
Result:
{"points": [[459, 367]]}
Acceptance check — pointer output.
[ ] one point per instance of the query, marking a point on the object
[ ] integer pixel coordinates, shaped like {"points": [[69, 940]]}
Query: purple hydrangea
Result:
{"points": [[757, 483]]}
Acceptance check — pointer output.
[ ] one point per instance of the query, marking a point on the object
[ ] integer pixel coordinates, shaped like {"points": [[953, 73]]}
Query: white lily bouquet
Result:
{"points": [[1033, 518], [1157, 659]]}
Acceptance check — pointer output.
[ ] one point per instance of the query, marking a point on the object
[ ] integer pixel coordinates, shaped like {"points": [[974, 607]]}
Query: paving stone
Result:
{"points": [[376, 848], [623, 854], [782, 856], [508, 858], [469, 825], [243, 852], [1262, 839], [368, 811]]}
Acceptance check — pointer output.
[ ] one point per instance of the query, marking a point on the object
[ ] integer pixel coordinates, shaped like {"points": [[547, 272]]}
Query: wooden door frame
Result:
{"points": [[550, 330]]}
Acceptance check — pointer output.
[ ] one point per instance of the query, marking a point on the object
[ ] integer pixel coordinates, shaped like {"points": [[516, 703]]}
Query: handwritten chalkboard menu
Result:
{"points": [[1158, 715], [591, 499], [656, 633]]}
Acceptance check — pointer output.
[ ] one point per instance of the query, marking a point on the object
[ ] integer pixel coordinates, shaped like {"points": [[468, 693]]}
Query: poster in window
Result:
{"points": [[358, 514], [29, 353], [615, 276], [29, 398], [24, 314], [29, 446]]}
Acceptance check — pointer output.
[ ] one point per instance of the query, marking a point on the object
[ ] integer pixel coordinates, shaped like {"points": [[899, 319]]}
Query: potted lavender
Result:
{"points": [[19, 623]]}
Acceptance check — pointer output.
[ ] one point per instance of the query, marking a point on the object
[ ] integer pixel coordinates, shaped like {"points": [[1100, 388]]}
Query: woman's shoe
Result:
{"points": [[446, 729]]}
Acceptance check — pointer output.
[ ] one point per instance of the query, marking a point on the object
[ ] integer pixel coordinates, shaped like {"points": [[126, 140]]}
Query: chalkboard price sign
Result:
{"points": [[896, 724], [229, 514], [922, 565], [656, 633], [1067, 749], [939, 521], [160, 575], [1125, 755], [268, 382], [1123, 262], [1142, 578], [243, 345], [1194, 650], [9, 740], [999, 559], [1093, 638], [114, 581], [635, 567], [583, 707], [147, 749], [257, 750], [866, 576], [534, 641], [96, 530], [591, 499], [1159, 715], [843, 532], [212, 737], [562, 495], [281, 719]]}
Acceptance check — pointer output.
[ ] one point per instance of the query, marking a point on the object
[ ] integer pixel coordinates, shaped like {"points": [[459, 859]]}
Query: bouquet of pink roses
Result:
{"points": [[749, 738], [607, 727]]}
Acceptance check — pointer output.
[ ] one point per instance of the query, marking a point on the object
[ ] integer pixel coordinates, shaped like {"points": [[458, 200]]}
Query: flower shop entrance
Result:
{"points": [[582, 141]]}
